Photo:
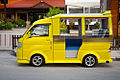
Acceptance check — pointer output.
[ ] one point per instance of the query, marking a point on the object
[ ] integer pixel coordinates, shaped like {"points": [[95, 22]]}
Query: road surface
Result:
{"points": [[11, 70]]}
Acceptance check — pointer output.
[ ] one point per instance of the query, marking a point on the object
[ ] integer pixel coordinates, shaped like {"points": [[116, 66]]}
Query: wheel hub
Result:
{"points": [[37, 60], [90, 61]]}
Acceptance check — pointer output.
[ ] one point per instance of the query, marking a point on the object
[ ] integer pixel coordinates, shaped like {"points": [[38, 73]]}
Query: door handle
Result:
{"points": [[47, 39]]}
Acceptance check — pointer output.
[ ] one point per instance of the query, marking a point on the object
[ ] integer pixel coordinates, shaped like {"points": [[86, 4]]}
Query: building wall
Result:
{"points": [[115, 12], [113, 6]]}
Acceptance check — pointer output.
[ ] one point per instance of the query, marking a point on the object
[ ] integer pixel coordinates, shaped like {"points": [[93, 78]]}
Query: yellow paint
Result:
{"points": [[22, 61], [106, 12], [83, 26], [54, 52], [56, 26], [59, 51], [99, 49], [110, 25], [19, 50]]}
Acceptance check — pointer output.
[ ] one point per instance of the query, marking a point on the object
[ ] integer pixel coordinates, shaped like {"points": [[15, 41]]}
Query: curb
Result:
{"points": [[13, 53], [115, 59]]}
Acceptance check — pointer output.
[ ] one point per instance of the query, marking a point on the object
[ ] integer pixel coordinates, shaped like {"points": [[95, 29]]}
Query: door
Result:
{"points": [[40, 41], [67, 44], [59, 49]]}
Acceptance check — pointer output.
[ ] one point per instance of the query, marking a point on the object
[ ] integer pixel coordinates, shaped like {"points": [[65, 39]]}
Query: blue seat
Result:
{"points": [[73, 44]]}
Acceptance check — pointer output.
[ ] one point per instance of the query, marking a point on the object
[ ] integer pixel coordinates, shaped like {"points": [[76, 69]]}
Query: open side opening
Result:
{"points": [[70, 29]]}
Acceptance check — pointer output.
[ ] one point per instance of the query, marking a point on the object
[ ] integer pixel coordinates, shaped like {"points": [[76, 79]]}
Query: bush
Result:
{"points": [[63, 27], [21, 23], [71, 24], [63, 30], [97, 25], [11, 21], [6, 25], [9, 25], [2, 25]]}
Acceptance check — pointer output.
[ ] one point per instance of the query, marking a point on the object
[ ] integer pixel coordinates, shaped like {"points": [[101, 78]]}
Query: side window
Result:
{"points": [[70, 27], [40, 30], [96, 28]]}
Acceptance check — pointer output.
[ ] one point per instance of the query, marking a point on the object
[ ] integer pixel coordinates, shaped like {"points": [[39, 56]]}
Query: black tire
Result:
{"points": [[89, 61], [37, 60]]}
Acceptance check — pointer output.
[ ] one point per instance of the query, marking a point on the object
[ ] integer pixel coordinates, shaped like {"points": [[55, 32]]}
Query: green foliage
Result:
{"points": [[6, 25], [118, 22], [97, 25], [88, 22], [12, 21], [63, 27], [71, 24], [3, 18], [119, 30], [63, 30], [9, 25], [53, 11], [21, 23], [2, 25]]}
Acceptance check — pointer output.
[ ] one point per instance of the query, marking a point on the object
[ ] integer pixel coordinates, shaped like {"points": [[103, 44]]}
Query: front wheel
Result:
{"points": [[37, 60], [89, 61]]}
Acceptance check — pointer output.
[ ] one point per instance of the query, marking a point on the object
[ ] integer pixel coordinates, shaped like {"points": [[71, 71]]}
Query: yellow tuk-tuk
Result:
{"points": [[68, 38]]}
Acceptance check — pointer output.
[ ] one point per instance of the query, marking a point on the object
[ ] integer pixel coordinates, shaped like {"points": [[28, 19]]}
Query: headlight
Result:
{"points": [[19, 44]]}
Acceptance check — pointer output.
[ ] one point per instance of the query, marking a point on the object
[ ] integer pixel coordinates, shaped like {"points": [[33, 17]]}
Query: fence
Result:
{"points": [[5, 41], [116, 43], [14, 40], [8, 41]]}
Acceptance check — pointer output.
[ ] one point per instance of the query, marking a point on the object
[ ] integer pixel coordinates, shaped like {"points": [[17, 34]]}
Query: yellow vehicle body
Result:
{"points": [[54, 51]]}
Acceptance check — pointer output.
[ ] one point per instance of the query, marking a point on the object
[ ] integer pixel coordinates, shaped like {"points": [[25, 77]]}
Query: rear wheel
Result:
{"points": [[37, 60], [89, 61]]}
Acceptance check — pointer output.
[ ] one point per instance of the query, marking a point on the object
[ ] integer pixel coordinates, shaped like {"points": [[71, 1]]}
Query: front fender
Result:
{"points": [[37, 52]]}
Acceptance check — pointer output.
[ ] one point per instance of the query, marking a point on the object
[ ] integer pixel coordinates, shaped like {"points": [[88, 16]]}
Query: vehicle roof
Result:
{"points": [[83, 15], [43, 21]]}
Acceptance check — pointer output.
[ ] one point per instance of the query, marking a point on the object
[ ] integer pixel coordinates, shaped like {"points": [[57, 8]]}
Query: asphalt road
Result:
{"points": [[11, 70]]}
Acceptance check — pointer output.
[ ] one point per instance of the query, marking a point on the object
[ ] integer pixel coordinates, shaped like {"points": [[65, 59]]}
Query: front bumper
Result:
{"points": [[23, 61]]}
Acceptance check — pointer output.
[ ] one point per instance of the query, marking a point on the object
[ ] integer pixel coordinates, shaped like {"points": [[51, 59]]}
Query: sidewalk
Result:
{"points": [[115, 55]]}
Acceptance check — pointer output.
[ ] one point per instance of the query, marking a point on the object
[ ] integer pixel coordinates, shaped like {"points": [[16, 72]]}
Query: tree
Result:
{"points": [[53, 11], [71, 24], [97, 25], [88, 22]]}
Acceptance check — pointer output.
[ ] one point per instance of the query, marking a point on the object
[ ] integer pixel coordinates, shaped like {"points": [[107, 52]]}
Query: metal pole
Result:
{"points": [[5, 11]]}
